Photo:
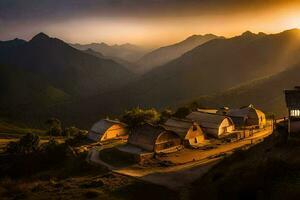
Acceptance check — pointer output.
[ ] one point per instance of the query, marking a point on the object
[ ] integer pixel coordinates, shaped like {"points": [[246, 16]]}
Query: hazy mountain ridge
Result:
{"points": [[130, 66], [126, 52], [218, 65], [165, 54], [266, 93], [211, 68]]}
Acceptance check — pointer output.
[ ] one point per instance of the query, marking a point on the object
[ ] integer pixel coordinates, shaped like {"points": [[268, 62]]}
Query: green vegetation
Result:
{"points": [[138, 116], [182, 112], [27, 144], [55, 128], [7, 128]]}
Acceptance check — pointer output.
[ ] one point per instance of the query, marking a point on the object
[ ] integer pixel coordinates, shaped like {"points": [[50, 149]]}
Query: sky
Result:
{"points": [[148, 23]]}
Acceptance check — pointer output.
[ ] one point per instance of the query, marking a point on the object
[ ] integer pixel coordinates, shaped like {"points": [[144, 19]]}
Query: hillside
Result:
{"points": [[216, 66], [126, 52], [266, 93], [130, 66], [240, 60], [269, 170], [45, 71], [165, 54]]}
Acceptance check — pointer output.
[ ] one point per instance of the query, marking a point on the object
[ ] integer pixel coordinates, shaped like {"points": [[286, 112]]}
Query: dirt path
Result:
{"points": [[182, 177], [191, 164], [93, 156], [191, 155]]}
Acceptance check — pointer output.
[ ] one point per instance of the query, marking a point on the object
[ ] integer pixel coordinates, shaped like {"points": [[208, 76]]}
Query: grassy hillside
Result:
{"points": [[266, 93], [165, 54], [269, 170]]}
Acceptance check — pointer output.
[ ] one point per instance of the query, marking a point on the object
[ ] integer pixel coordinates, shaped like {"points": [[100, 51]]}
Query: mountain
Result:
{"points": [[130, 66], [45, 71], [265, 93], [216, 66], [165, 54], [128, 52]]}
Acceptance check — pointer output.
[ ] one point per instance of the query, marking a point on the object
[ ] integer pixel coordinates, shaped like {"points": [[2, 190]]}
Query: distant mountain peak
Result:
{"points": [[248, 34], [40, 36]]}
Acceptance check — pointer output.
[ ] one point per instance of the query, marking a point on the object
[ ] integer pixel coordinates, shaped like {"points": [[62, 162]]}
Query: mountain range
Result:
{"points": [[217, 66], [45, 71], [128, 52], [130, 66], [165, 54], [46, 77]]}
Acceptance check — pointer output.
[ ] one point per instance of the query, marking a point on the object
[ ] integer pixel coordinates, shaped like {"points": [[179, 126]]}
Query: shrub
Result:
{"points": [[138, 116], [70, 131], [54, 127], [29, 143], [182, 112], [165, 115], [78, 138]]}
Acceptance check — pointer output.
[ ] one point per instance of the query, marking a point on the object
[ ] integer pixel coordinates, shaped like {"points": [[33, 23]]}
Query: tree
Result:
{"points": [[138, 116], [29, 143], [165, 115], [54, 127], [194, 106], [71, 131], [182, 112]]}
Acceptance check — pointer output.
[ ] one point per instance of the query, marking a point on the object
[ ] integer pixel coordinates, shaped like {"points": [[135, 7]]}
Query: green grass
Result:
{"points": [[10, 129]]}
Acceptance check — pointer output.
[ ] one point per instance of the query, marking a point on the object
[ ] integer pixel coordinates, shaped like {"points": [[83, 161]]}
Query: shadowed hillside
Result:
{"points": [[130, 66], [266, 93], [269, 170], [165, 54], [217, 66], [211, 68], [45, 71]]}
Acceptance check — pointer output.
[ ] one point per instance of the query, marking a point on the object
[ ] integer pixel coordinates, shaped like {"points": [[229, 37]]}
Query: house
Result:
{"points": [[247, 116], [106, 129], [189, 131], [154, 138], [213, 124], [292, 98]]}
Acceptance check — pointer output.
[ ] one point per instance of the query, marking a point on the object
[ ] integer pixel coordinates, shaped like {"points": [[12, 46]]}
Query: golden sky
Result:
{"points": [[148, 23]]}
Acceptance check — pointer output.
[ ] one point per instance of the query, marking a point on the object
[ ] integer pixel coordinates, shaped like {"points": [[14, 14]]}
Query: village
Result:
{"points": [[190, 145], [197, 141]]}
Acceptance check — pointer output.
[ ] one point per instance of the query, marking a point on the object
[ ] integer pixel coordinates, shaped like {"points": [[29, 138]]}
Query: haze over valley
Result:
{"points": [[90, 82]]}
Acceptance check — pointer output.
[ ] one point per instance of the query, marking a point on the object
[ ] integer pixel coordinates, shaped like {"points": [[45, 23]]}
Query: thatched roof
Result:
{"points": [[207, 120], [179, 126], [145, 135], [100, 127], [292, 98], [244, 112]]}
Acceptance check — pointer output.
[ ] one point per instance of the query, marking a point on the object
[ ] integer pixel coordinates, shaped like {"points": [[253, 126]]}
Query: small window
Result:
{"points": [[295, 113]]}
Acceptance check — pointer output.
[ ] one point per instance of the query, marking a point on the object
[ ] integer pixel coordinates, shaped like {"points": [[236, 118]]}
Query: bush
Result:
{"points": [[182, 112], [165, 115], [138, 116], [78, 138], [54, 127], [29, 143], [70, 131]]}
